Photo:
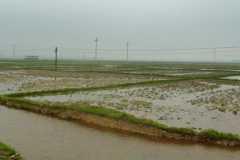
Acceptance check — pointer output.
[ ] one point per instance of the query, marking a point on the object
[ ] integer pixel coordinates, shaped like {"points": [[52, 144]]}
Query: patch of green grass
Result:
{"points": [[215, 135], [8, 153]]}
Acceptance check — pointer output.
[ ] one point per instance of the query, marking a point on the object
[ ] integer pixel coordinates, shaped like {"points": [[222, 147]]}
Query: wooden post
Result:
{"points": [[56, 63], [56, 58], [127, 45], [96, 49]]}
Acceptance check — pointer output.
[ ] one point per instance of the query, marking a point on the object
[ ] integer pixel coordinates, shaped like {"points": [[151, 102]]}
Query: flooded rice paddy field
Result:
{"points": [[223, 100], [35, 80], [193, 104]]}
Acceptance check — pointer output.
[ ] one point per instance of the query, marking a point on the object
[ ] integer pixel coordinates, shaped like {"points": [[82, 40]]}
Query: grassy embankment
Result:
{"points": [[7, 153], [143, 127]]}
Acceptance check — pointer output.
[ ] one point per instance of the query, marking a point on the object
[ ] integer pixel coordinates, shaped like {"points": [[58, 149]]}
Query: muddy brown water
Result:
{"points": [[39, 137]]}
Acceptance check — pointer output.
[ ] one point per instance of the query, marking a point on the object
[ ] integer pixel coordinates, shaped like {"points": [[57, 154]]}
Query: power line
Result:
{"points": [[116, 49], [184, 49], [215, 55], [122, 51], [145, 50]]}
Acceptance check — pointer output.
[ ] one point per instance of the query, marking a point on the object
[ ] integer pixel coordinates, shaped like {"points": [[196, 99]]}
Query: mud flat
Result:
{"points": [[49, 138], [226, 101]]}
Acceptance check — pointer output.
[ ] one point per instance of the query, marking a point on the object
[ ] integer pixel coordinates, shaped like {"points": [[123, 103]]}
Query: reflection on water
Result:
{"points": [[42, 138]]}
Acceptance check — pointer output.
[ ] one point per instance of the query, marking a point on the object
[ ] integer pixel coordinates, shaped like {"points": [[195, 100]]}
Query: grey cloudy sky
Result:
{"points": [[165, 24]]}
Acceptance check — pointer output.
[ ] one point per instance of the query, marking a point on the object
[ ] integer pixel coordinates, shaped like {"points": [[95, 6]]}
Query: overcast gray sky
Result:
{"points": [[164, 24]]}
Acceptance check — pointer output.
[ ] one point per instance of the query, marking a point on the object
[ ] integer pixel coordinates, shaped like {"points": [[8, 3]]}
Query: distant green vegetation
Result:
{"points": [[119, 66], [7, 153]]}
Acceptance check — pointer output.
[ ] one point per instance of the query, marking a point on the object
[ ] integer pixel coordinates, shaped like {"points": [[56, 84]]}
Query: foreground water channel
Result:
{"points": [[39, 137]]}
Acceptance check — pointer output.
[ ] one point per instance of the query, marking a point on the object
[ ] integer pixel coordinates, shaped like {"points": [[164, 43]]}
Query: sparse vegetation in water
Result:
{"points": [[38, 80], [221, 100]]}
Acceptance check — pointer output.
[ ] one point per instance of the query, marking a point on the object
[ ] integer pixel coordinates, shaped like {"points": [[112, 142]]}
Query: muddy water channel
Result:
{"points": [[38, 137]]}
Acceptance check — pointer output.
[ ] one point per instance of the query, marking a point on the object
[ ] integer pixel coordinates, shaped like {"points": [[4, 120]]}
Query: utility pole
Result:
{"points": [[56, 58], [13, 51], [215, 55], [127, 46], [96, 48]]}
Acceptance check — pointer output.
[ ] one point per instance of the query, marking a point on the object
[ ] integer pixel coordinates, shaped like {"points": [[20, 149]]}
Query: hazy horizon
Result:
{"points": [[162, 24]]}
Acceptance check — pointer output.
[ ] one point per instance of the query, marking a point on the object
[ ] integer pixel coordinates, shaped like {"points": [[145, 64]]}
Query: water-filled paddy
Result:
{"points": [[171, 104], [34, 80]]}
